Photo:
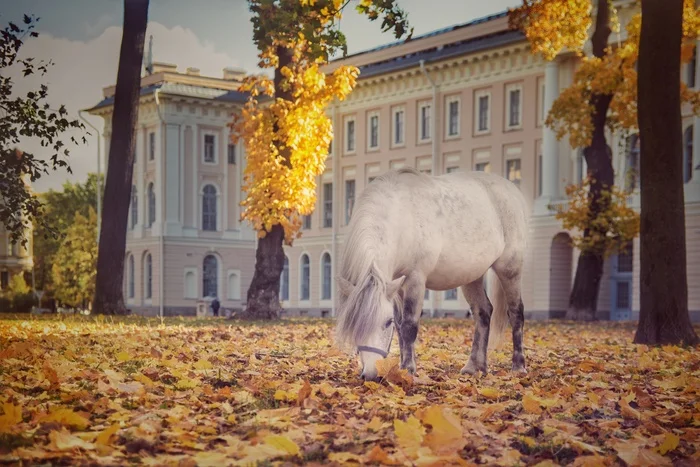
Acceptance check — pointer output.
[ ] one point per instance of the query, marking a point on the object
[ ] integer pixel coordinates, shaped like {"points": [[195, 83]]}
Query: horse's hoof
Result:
{"points": [[519, 370], [471, 369]]}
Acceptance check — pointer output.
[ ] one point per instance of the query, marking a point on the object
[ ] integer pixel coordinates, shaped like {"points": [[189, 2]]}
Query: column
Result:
{"points": [[157, 228], [172, 187], [138, 182], [195, 176], [692, 188], [225, 188], [550, 152]]}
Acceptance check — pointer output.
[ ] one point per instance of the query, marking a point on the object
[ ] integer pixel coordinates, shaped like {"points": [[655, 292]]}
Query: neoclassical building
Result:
{"points": [[473, 97], [185, 243], [15, 258]]}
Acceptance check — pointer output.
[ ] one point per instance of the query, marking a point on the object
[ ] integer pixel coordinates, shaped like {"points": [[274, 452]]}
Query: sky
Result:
{"points": [[82, 38]]}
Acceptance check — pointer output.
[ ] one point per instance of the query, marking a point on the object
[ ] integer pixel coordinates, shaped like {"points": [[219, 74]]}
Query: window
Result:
{"points": [[304, 293], [542, 115], [398, 126], [284, 280], [234, 285], [327, 205], [148, 276], [539, 175], [151, 204], [690, 70], [326, 277], [373, 131], [209, 208], [632, 163], [425, 171], [451, 294], [625, 258], [426, 295], [688, 154], [349, 199], [134, 207], [190, 284], [209, 145], [513, 171], [210, 276], [483, 167], [482, 112], [151, 146], [453, 117], [449, 170], [514, 108], [130, 277], [4, 279], [580, 166], [232, 154], [424, 115], [350, 135], [306, 223]]}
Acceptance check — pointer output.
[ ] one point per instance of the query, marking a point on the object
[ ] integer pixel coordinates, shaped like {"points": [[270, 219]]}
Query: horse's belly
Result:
{"points": [[455, 270]]}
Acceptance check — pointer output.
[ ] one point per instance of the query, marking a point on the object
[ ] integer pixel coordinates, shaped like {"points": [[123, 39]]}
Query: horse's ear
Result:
{"points": [[393, 287], [345, 286]]}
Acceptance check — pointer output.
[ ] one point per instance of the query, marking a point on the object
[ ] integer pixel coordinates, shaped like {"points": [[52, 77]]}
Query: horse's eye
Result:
{"points": [[389, 323]]}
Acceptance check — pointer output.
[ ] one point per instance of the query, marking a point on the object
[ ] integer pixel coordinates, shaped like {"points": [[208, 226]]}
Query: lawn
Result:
{"points": [[91, 391]]}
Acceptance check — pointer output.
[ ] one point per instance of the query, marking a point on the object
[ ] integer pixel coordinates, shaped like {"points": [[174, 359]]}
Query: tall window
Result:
{"points": [[148, 276], [349, 199], [374, 131], [483, 167], [326, 277], [134, 207], [539, 175], [210, 275], [350, 136], [451, 294], [209, 145], [151, 146], [130, 277], [690, 71], [632, 163], [151, 204], [284, 280], [305, 293], [449, 170], [328, 205], [425, 121], [513, 171], [398, 126], [306, 222], [483, 114], [514, 101], [453, 118], [232, 154], [209, 208], [4, 279], [688, 154]]}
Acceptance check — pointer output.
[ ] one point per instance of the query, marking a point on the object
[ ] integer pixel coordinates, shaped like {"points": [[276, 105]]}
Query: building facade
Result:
{"points": [[15, 258], [473, 97], [185, 242]]}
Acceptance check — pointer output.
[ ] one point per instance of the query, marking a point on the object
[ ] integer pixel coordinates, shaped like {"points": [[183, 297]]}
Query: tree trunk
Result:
{"points": [[583, 301], [663, 276], [263, 300], [109, 298]]}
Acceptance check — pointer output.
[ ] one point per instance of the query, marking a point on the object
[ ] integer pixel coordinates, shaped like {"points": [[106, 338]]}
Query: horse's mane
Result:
{"points": [[357, 317]]}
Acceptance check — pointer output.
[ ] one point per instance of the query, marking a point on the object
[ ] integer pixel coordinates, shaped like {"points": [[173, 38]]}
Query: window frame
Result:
{"points": [[449, 100]]}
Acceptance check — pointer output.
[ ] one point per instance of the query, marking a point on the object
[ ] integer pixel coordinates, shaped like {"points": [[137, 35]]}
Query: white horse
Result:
{"points": [[410, 231]]}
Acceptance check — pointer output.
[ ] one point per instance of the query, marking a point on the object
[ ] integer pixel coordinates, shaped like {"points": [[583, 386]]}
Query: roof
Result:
{"points": [[187, 90]]}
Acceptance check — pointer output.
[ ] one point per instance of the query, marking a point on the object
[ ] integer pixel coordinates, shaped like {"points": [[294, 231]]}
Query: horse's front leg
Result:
{"points": [[408, 328]]}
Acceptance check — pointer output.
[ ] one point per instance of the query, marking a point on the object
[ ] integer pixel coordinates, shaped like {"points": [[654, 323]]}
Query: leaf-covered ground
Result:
{"points": [[183, 392]]}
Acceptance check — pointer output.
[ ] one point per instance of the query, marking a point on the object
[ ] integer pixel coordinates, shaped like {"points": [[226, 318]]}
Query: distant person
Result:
{"points": [[215, 305]]}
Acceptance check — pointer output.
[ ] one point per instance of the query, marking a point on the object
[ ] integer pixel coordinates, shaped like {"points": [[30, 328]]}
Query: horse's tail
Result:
{"points": [[499, 317]]}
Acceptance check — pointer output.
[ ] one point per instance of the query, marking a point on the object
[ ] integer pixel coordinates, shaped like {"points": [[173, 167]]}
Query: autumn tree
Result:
{"points": [[75, 265], [602, 97], [285, 127], [664, 315], [26, 117], [109, 298]]}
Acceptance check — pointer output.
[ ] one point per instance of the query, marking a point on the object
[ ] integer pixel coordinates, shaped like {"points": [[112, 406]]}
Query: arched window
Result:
{"points": [[326, 277], [632, 163], [190, 284], [130, 277], [210, 276], [234, 286], [151, 205], [305, 278], [209, 208], [148, 276], [688, 154], [134, 207], [284, 280]]}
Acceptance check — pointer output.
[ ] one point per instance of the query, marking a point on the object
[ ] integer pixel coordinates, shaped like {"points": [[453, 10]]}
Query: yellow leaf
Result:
{"points": [[531, 404], [281, 395], [283, 444], [670, 443], [446, 434], [12, 415], [203, 365], [68, 418], [375, 424], [123, 356], [106, 434], [186, 383], [490, 393], [409, 434], [63, 441], [344, 457]]}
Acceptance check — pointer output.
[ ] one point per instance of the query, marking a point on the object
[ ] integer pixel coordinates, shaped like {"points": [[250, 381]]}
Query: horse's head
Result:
{"points": [[373, 326]]}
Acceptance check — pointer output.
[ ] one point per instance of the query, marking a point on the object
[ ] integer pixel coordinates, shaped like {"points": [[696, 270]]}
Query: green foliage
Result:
{"points": [[75, 267], [18, 298], [24, 117], [59, 213]]}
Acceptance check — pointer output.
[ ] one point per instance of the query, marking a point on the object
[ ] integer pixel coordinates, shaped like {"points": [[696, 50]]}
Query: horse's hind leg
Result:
{"points": [[414, 290], [482, 309], [510, 281]]}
